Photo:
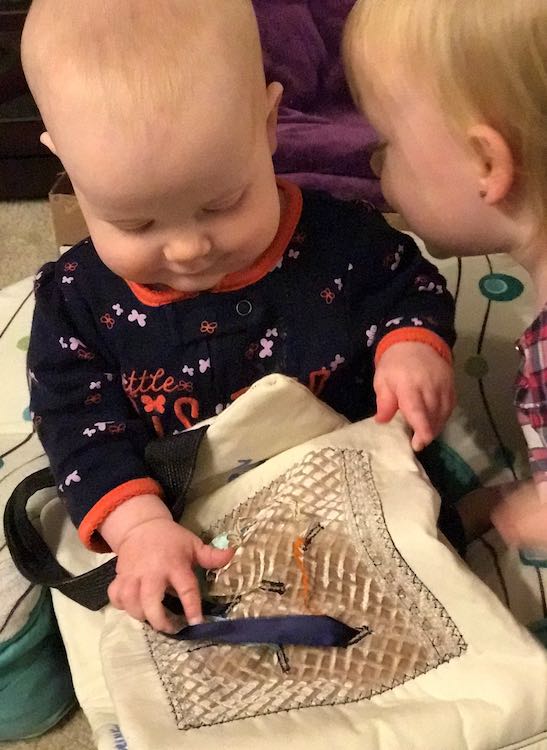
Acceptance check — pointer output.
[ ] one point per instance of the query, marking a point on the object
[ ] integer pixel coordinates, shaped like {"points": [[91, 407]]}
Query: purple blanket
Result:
{"points": [[323, 142]]}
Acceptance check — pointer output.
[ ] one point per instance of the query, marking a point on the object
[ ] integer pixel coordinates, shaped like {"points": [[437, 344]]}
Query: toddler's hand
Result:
{"points": [[412, 377], [156, 555], [521, 517]]}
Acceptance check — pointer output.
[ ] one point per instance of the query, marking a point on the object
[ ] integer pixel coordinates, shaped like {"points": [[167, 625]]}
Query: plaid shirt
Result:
{"points": [[531, 394]]}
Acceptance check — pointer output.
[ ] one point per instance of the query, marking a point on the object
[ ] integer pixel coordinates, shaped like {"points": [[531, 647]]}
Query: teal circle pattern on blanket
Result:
{"points": [[26, 414], [500, 287], [23, 343]]}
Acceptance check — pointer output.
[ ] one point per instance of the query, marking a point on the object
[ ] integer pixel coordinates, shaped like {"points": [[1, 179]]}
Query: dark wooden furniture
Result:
{"points": [[27, 169]]}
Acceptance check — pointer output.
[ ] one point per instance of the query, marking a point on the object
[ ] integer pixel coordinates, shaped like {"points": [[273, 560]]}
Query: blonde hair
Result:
{"points": [[143, 57], [485, 59]]}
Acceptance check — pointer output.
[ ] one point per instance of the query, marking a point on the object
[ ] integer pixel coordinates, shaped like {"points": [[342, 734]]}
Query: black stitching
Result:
{"points": [[283, 660], [363, 632], [310, 536], [274, 587]]}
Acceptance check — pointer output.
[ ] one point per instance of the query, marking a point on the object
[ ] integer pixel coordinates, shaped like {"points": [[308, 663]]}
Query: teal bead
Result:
{"points": [[221, 541]]}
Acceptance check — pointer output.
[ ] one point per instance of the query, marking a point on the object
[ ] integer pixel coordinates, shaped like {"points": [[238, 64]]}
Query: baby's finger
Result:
{"points": [[414, 410], [437, 410], [386, 403], [211, 557], [152, 593], [445, 396], [187, 589], [124, 593]]}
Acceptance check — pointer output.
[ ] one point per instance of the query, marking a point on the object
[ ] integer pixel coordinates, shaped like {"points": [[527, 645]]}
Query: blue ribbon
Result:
{"points": [[288, 630]]}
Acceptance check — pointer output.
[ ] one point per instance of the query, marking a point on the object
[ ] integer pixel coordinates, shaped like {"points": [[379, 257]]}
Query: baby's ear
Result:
{"points": [[274, 93], [45, 140], [496, 164]]}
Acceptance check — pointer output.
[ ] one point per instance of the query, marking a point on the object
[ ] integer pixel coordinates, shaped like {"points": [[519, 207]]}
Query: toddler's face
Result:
{"points": [[428, 173], [192, 202]]}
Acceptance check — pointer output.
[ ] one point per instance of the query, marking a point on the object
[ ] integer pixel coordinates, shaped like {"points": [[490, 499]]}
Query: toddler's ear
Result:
{"points": [[45, 139], [274, 93], [495, 161]]}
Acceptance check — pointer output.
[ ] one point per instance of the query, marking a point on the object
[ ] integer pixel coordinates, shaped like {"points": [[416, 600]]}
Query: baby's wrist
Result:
{"points": [[133, 513], [412, 335]]}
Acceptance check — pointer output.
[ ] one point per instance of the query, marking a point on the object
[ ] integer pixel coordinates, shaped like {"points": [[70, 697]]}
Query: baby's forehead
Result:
{"points": [[135, 164], [126, 53]]}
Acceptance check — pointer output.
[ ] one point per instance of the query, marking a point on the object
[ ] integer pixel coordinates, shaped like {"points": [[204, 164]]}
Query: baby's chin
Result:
{"points": [[189, 285]]}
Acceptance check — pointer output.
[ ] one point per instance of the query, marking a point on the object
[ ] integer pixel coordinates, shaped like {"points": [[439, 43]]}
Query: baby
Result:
{"points": [[203, 273], [457, 90]]}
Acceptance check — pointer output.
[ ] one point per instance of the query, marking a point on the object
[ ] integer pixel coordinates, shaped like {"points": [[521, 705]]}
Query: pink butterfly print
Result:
{"points": [[371, 335], [135, 316], [338, 360], [72, 478], [266, 350]]}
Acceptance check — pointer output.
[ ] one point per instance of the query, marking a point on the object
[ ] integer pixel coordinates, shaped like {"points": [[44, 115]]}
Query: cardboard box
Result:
{"points": [[68, 222]]}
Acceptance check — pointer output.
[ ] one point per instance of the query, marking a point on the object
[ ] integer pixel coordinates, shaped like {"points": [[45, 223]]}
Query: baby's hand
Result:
{"points": [[156, 555], [412, 377]]}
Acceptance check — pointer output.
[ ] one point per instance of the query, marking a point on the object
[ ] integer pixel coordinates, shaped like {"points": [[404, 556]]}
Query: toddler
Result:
{"points": [[457, 91], [203, 273]]}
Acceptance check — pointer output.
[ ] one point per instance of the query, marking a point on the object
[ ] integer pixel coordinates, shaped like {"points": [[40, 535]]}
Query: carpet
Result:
{"points": [[26, 239], [72, 733]]}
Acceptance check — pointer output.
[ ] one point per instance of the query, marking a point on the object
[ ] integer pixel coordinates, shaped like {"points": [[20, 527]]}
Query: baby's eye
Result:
{"points": [[225, 207], [141, 229]]}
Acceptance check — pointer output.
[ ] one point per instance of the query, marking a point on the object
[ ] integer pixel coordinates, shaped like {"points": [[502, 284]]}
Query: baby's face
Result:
{"points": [[182, 204]]}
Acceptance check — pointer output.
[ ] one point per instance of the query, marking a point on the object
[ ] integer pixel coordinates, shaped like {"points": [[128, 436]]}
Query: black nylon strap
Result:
{"points": [[172, 461]]}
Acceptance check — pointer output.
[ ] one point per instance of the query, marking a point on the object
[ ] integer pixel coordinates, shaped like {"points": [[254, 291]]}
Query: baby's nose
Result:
{"points": [[187, 248]]}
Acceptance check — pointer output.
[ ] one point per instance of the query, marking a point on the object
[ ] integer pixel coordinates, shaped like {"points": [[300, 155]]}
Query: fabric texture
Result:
{"points": [[109, 371], [323, 142]]}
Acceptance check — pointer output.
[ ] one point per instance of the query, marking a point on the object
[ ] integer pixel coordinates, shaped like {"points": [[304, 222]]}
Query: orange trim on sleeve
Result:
{"points": [[418, 335], [87, 530]]}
